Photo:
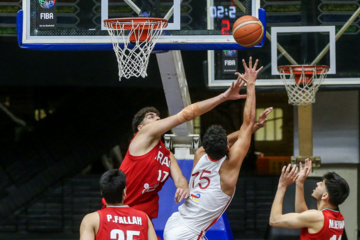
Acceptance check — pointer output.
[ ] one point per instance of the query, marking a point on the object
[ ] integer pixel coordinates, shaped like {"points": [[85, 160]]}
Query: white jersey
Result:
{"points": [[207, 201]]}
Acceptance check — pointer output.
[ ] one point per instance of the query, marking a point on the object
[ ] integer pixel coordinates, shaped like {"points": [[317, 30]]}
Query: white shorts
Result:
{"points": [[176, 230]]}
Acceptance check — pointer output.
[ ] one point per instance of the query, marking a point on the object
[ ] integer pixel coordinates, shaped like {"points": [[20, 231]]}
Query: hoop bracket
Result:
{"points": [[315, 160]]}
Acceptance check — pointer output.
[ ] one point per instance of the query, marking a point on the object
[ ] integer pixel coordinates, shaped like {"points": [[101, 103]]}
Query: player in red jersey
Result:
{"points": [[148, 164], [116, 221], [325, 223]]}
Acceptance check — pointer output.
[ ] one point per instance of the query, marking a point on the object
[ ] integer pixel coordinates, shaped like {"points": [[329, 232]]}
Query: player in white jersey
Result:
{"points": [[216, 169]]}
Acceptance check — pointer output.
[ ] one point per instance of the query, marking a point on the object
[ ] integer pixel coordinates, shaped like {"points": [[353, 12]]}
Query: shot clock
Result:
{"points": [[221, 11], [224, 16]]}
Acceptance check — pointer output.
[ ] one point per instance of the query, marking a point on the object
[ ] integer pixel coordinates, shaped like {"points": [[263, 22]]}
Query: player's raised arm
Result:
{"points": [[307, 219], [239, 149], [287, 177], [300, 204], [232, 137], [160, 127]]}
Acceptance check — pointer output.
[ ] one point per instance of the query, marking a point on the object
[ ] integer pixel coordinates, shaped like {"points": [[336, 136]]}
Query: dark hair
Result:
{"points": [[215, 142], [337, 188], [112, 185], [140, 115]]}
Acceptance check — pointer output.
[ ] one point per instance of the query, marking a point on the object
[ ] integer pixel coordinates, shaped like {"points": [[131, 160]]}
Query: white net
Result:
{"points": [[302, 82], [133, 41]]}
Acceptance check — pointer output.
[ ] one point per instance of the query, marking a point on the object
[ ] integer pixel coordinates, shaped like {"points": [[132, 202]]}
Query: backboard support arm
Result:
{"points": [[133, 6]]}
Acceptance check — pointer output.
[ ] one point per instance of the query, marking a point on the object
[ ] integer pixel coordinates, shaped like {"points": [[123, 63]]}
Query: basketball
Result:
{"points": [[248, 31]]}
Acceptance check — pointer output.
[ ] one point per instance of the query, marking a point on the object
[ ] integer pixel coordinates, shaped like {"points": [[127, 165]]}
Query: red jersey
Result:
{"points": [[122, 222], [332, 230], [145, 176]]}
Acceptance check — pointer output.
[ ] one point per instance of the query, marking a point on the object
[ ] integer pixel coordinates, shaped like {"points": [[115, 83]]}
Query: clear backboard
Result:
{"points": [[78, 25], [299, 33]]}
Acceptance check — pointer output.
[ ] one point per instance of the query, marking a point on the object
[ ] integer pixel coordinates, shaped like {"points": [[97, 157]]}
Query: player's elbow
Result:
{"points": [[281, 223], [300, 209], [275, 221], [272, 223]]}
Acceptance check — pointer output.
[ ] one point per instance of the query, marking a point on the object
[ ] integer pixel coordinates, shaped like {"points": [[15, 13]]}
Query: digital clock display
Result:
{"points": [[221, 12], [224, 16]]}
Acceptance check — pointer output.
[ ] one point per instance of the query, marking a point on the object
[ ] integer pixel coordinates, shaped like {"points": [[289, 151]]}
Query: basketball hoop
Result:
{"points": [[303, 82], [133, 40]]}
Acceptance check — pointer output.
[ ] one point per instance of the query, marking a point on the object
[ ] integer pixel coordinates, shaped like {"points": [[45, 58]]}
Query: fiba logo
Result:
{"points": [[47, 3], [46, 16]]}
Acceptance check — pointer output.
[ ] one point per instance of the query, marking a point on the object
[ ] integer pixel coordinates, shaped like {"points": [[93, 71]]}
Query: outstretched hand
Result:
{"points": [[250, 75], [181, 194], [304, 171], [288, 175], [233, 92], [262, 119], [251, 72]]}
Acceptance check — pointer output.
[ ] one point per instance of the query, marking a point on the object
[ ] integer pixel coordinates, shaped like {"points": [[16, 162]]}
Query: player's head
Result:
{"points": [[337, 187], [112, 185], [215, 142], [144, 116]]}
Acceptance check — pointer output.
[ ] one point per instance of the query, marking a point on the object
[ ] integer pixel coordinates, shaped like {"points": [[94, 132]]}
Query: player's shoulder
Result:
{"points": [[312, 215], [229, 165], [91, 218], [199, 153], [92, 215]]}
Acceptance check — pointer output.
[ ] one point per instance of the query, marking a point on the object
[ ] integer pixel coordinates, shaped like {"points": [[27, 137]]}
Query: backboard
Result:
{"points": [[286, 46], [78, 25], [299, 33]]}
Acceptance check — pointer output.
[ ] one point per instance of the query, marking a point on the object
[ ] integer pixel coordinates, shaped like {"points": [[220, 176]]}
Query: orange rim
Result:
{"points": [[128, 23], [308, 71]]}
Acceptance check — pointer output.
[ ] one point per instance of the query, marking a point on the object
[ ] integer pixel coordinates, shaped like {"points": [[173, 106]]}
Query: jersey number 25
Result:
{"points": [[120, 235]]}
